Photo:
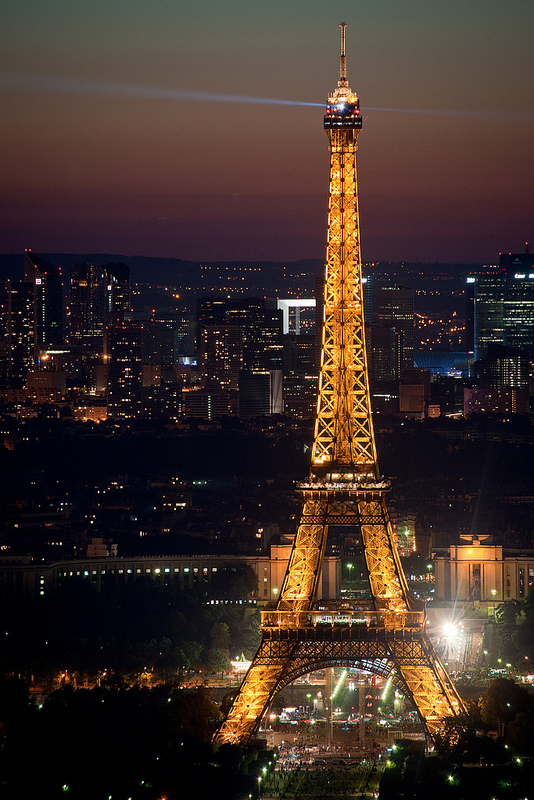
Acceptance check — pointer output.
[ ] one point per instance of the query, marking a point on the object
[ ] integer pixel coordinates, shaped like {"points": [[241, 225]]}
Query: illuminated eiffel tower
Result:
{"points": [[385, 635]]}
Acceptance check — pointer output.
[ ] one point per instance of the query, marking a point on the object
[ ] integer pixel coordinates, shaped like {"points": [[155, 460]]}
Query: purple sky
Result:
{"points": [[105, 146]]}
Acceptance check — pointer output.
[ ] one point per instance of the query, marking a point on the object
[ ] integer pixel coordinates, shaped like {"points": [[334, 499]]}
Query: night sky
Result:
{"points": [[105, 147]]}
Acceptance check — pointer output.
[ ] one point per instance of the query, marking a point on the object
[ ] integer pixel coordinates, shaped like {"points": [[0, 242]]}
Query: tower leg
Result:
{"points": [[258, 688]]}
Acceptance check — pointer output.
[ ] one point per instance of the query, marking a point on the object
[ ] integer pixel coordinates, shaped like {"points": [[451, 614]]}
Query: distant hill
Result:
{"points": [[266, 277]]}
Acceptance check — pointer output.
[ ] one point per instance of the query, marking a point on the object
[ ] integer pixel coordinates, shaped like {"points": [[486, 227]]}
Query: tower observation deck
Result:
{"points": [[385, 635]]}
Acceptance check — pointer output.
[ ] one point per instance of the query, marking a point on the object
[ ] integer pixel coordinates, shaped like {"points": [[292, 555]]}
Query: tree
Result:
{"points": [[234, 582], [501, 702], [216, 660], [507, 613], [220, 636]]}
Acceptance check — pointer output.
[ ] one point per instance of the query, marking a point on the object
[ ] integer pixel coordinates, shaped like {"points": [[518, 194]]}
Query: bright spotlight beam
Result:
{"points": [[15, 80], [29, 82]]}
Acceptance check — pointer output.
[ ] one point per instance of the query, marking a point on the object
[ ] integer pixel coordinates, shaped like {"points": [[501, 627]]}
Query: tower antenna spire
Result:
{"points": [[343, 58]]}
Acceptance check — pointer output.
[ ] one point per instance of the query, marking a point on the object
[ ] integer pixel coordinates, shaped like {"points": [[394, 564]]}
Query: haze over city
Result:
{"points": [[120, 133]]}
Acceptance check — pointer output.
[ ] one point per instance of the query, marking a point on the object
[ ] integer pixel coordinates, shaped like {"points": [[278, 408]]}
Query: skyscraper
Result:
{"points": [[47, 299], [118, 290], [488, 311], [518, 311], [87, 293], [20, 332], [395, 310], [125, 370], [504, 305], [220, 356]]}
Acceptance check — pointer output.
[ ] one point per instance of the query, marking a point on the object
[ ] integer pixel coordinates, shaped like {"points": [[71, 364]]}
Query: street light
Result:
{"points": [[493, 593], [350, 568]]}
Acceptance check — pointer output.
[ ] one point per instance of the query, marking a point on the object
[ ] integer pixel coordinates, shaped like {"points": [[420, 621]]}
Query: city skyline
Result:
{"points": [[124, 135]]}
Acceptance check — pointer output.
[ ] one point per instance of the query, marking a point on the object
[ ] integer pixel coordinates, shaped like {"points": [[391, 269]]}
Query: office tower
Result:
{"points": [[162, 402], [221, 356], [518, 311], [385, 635], [184, 341], [158, 343], [260, 394], [20, 332], [299, 354], [237, 334], [87, 294], [118, 290], [488, 311], [123, 343], [469, 336], [395, 310], [47, 299], [262, 340], [504, 305], [384, 349], [211, 311], [503, 366], [261, 328]]}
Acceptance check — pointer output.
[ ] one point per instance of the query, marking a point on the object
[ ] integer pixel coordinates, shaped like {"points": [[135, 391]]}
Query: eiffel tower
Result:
{"points": [[385, 635]]}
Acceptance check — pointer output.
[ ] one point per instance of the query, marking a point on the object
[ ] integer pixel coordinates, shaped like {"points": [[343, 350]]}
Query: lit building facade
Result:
{"points": [[395, 310], [123, 346], [260, 393], [504, 305], [220, 356], [21, 578], [481, 572], [20, 332], [118, 290], [87, 292], [47, 298]]}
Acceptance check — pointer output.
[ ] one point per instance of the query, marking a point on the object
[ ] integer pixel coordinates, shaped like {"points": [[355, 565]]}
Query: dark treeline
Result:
{"points": [[129, 630], [113, 741]]}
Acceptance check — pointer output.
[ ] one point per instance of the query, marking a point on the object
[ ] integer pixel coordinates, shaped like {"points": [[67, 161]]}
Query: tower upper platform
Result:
{"points": [[343, 106]]}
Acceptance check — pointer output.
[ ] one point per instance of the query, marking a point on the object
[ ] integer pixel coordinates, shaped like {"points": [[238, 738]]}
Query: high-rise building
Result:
{"points": [[20, 332], [260, 326], [118, 290], [503, 366], [504, 305], [395, 310], [47, 299], [184, 336], [488, 311], [123, 343], [158, 343], [94, 292], [383, 347], [220, 356], [260, 394], [518, 269], [299, 354], [262, 341], [87, 296]]}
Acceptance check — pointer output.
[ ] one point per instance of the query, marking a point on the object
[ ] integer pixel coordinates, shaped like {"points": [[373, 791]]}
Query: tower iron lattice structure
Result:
{"points": [[385, 635]]}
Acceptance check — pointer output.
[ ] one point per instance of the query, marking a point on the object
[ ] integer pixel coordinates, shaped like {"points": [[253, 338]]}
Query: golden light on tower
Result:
{"points": [[385, 635]]}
